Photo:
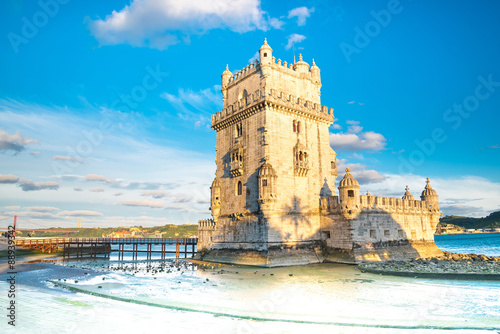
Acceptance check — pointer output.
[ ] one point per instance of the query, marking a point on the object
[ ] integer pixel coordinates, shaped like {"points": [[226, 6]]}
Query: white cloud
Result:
{"points": [[97, 190], [150, 204], [80, 213], [14, 207], [158, 24], [294, 38], [29, 185], [77, 189], [15, 142], [118, 194], [356, 140], [301, 13], [8, 178], [359, 172], [67, 158]]}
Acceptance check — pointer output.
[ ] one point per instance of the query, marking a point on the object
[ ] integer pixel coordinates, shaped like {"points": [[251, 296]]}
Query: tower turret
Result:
{"points": [[226, 77], [408, 194], [215, 199], [266, 53], [315, 73], [349, 195], [430, 196], [301, 66]]}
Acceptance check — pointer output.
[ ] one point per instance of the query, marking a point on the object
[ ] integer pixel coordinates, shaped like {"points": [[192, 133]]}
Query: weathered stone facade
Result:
{"points": [[273, 197]]}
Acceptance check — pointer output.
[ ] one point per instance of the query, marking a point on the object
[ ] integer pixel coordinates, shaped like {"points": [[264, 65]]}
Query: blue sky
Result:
{"points": [[105, 105]]}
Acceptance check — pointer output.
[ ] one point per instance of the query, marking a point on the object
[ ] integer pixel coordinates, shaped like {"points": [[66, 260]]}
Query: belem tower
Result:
{"points": [[273, 199]]}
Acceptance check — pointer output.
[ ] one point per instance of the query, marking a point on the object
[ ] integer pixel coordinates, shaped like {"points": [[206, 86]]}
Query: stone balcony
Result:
{"points": [[236, 168], [301, 168]]}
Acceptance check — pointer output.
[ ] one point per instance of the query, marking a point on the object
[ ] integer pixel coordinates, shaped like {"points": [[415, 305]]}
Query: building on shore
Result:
{"points": [[273, 199]]}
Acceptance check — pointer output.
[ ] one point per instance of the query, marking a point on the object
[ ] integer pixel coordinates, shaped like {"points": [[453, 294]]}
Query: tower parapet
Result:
{"points": [[261, 98]]}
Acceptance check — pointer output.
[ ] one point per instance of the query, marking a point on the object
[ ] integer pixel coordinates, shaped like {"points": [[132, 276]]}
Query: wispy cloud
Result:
{"points": [[68, 158], [80, 213], [154, 193], [97, 190], [99, 178], [150, 204], [294, 39], [42, 208], [196, 106], [159, 24], [301, 13]]}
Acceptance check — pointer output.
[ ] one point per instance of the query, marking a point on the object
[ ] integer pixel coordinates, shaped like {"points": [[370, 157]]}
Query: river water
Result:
{"points": [[110, 296]]}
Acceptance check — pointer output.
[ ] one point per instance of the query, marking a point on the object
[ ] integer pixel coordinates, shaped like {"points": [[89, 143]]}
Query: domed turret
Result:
{"points": [[349, 195], [315, 73], [266, 53], [348, 181], [430, 196], [408, 194], [301, 66]]}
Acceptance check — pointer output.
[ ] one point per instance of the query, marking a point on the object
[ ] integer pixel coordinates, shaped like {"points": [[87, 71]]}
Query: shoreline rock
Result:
{"points": [[448, 264]]}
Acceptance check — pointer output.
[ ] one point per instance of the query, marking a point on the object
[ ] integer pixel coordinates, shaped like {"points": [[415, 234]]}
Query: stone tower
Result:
{"points": [[274, 163]]}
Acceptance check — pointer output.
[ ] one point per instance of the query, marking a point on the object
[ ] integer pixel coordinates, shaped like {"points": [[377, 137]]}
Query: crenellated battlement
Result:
{"points": [[275, 98], [244, 72], [376, 203]]}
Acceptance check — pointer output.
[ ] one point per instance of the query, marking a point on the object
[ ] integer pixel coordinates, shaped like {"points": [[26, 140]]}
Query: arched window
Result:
{"points": [[294, 126], [239, 188], [298, 127], [305, 156]]}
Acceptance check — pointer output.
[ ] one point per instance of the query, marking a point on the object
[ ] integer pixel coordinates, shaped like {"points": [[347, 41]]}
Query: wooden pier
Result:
{"points": [[102, 246]]}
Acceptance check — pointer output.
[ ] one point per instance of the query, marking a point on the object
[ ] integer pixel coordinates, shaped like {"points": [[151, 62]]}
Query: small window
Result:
{"points": [[298, 127], [294, 126], [264, 183], [387, 234], [401, 235], [265, 54], [372, 234], [239, 188], [350, 193]]}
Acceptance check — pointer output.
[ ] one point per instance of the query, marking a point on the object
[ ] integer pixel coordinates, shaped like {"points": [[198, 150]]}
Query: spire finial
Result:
{"points": [[265, 40], [367, 193], [347, 170], [300, 56], [407, 188], [227, 67]]}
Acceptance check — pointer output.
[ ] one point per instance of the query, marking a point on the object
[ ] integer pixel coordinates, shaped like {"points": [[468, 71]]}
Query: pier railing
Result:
{"points": [[95, 246]]}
